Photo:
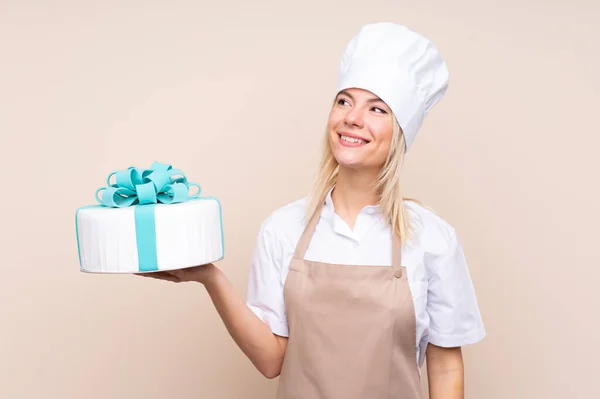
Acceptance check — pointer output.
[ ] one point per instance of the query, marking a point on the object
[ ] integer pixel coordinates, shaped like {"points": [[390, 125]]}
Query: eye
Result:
{"points": [[379, 110], [341, 101]]}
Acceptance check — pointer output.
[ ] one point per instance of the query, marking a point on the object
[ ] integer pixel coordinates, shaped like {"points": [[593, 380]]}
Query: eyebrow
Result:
{"points": [[371, 100]]}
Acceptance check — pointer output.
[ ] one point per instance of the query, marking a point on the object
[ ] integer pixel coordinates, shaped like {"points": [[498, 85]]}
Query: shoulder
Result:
{"points": [[290, 213], [286, 222], [430, 230]]}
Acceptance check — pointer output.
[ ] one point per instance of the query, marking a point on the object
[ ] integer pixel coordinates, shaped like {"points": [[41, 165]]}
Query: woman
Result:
{"points": [[351, 288]]}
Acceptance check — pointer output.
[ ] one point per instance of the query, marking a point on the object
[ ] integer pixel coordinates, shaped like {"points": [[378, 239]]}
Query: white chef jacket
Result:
{"points": [[446, 308]]}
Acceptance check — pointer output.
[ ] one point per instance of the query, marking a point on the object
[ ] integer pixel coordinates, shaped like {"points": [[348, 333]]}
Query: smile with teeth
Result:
{"points": [[352, 140]]}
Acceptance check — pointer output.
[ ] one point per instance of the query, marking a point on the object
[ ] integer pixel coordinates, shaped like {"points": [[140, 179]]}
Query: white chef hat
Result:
{"points": [[399, 66]]}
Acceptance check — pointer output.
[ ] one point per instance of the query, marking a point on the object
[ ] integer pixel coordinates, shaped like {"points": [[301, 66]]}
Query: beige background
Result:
{"points": [[236, 94]]}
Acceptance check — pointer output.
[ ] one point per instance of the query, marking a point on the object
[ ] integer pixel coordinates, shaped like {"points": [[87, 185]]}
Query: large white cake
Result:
{"points": [[142, 238]]}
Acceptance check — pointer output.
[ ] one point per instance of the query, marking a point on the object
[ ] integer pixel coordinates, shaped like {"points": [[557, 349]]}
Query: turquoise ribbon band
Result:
{"points": [[144, 188], [145, 235]]}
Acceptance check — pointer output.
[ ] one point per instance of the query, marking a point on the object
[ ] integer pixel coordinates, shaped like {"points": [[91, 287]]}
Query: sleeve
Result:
{"points": [[455, 319], [265, 283]]}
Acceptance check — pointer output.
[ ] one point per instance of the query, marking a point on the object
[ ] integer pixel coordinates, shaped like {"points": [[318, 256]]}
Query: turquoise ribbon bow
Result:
{"points": [[135, 186]]}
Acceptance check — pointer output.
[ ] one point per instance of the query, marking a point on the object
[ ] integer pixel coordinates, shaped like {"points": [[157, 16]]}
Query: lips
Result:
{"points": [[352, 140]]}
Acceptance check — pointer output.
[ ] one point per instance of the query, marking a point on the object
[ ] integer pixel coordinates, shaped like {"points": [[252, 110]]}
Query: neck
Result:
{"points": [[353, 191]]}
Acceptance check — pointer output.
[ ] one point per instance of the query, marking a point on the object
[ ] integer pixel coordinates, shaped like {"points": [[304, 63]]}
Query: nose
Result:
{"points": [[354, 117]]}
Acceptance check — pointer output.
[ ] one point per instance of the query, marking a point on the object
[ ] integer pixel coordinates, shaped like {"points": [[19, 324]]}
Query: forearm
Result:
{"points": [[448, 385], [264, 349], [445, 373]]}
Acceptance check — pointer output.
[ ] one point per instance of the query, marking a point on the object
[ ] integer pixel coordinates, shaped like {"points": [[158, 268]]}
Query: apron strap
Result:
{"points": [[308, 232], [396, 251]]}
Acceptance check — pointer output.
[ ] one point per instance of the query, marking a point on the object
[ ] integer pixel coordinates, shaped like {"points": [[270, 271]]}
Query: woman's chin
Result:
{"points": [[351, 158], [349, 162]]}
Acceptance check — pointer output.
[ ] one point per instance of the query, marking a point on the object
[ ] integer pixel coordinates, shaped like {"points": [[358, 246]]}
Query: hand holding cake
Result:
{"points": [[198, 274]]}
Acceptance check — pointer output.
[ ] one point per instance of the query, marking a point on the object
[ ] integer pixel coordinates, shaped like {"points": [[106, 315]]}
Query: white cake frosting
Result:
{"points": [[186, 234]]}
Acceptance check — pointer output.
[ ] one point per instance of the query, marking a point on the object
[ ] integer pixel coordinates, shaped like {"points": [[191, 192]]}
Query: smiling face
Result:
{"points": [[360, 129]]}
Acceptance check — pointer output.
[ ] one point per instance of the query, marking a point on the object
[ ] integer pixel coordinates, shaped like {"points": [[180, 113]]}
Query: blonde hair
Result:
{"points": [[387, 184]]}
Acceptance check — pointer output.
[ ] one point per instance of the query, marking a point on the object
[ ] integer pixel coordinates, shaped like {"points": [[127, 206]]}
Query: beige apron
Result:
{"points": [[352, 329]]}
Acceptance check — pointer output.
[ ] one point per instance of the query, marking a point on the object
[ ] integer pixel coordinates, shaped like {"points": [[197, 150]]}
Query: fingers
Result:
{"points": [[160, 276], [179, 274]]}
